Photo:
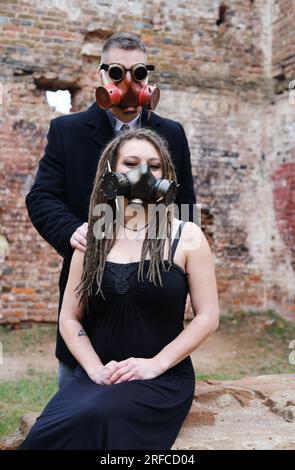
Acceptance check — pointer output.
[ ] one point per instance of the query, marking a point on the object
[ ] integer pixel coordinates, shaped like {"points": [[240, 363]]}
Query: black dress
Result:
{"points": [[136, 319]]}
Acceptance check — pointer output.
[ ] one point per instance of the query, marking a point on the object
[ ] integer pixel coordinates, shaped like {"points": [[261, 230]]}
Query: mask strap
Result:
{"points": [[116, 200], [104, 77]]}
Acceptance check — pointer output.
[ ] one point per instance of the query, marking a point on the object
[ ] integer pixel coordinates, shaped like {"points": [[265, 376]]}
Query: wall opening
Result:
{"points": [[60, 99], [221, 14]]}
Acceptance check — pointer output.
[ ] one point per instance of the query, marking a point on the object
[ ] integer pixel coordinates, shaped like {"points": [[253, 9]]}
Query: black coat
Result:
{"points": [[58, 201]]}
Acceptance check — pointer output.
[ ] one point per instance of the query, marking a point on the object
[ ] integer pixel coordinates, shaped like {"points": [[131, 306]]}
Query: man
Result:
{"points": [[58, 201]]}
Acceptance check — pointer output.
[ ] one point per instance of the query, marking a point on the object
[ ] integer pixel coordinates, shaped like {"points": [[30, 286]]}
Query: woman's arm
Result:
{"points": [[70, 319], [204, 299]]}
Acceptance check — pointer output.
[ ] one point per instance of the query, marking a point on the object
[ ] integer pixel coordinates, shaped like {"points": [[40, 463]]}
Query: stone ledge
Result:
{"points": [[249, 413]]}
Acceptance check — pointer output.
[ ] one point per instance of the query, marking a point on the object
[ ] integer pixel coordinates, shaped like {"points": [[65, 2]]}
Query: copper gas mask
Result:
{"points": [[133, 93]]}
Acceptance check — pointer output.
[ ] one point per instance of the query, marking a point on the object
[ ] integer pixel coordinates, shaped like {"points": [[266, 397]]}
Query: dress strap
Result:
{"points": [[176, 239]]}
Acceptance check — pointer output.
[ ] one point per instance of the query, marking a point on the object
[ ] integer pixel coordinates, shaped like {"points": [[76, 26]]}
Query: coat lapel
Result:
{"points": [[149, 121], [101, 130]]}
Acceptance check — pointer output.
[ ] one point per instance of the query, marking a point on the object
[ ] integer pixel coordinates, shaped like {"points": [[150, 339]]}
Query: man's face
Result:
{"points": [[127, 58]]}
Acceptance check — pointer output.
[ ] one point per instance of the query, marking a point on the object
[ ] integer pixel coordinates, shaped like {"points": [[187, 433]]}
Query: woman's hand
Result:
{"points": [[135, 368], [101, 374]]}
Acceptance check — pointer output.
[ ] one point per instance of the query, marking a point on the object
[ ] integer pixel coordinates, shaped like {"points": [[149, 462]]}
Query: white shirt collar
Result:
{"points": [[132, 124]]}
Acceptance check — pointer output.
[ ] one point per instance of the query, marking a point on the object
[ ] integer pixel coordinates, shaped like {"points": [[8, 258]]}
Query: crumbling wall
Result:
{"points": [[227, 65]]}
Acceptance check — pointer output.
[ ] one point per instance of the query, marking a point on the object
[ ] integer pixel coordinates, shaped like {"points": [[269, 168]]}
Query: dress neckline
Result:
{"points": [[173, 264]]}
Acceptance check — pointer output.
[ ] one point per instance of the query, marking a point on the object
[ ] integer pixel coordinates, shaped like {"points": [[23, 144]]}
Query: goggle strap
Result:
{"points": [[106, 67]]}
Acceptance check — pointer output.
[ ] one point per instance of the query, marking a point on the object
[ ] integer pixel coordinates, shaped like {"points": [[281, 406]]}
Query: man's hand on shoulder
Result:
{"points": [[79, 238]]}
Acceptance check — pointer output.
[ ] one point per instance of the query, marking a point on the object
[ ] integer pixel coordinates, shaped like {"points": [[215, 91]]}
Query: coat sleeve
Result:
{"points": [[47, 201], [186, 194]]}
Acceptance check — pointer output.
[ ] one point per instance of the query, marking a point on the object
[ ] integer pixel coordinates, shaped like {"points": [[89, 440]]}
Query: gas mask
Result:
{"points": [[134, 93], [139, 186]]}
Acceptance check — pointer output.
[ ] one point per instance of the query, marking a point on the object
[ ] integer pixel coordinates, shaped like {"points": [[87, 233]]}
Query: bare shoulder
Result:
{"points": [[78, 255], [194, 242], [77, 261]]}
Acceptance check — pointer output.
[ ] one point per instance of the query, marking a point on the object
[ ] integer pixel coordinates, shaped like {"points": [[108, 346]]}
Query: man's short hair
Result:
{"points": [[127, 41]]}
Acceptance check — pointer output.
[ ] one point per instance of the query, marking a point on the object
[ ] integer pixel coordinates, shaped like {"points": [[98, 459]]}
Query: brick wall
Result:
{"points": [[283, 39], [228, 65]]}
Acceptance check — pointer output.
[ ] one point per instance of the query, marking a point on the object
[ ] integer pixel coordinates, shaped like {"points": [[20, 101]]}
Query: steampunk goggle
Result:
{"points": [[117, 72]]}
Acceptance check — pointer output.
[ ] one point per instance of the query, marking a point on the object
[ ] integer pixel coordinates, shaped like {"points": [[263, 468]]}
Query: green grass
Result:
{"points": [[27, 337], [276, 331], [22, 396], [203, 376], [261, 340], [279, 327]]}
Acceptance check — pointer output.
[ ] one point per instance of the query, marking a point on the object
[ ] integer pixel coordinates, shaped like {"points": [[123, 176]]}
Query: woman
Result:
{"points": [[135, 382]]}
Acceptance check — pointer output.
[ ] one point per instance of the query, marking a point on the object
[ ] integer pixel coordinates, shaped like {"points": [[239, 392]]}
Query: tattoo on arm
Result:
{"points": [[82, 332]]}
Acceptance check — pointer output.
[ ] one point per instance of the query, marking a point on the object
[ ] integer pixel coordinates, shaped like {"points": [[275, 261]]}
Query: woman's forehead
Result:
{"points": [[139, 148]]}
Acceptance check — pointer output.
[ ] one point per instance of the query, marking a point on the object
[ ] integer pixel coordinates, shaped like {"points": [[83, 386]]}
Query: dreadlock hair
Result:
{"points": [[98, 248]]}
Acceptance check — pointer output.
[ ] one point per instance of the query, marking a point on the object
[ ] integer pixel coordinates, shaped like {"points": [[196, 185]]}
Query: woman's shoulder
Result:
{"points": [[78, 254], [193, 239], [77, 259], [188, 228]]}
